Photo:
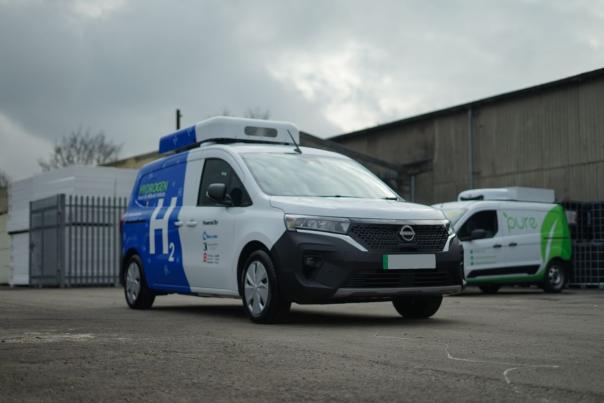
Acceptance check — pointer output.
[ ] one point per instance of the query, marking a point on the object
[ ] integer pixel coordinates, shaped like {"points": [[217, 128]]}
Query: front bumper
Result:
{"points": [[344, 293], [322, 268]]}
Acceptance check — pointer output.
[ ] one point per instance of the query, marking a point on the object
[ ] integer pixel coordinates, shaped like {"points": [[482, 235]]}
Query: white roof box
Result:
{"points": [[510, 194], [230, 129]]}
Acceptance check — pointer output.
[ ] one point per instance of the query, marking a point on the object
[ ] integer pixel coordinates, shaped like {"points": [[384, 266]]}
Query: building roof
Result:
{"points": [[567, 81]]}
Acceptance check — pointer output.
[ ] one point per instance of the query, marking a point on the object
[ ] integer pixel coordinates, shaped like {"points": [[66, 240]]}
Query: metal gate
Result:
{"points": [[46, 235], [75, 240], [586, 222]]}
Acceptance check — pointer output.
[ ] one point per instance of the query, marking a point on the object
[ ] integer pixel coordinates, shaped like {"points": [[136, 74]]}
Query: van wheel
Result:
{"points": [[138, 295], [262, 299], [489, 289], [417, 306], [555, 277]]}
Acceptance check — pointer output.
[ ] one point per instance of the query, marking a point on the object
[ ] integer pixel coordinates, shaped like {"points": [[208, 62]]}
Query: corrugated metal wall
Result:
{"points": [[450, 158], [4, 250], [552, 138]]}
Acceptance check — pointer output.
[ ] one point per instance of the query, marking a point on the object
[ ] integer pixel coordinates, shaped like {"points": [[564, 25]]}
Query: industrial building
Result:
{"points": [[549, 135]]}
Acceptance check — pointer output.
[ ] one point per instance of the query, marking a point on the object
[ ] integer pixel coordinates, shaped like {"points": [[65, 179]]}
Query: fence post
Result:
{"points": [[60, 233]]}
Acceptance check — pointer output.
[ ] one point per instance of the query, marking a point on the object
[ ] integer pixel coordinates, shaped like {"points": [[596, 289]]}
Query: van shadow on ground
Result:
{"points": [[308, 317]]}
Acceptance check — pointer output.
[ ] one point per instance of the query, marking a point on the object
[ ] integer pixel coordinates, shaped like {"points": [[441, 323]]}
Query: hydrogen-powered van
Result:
{"points": [[238, 209], [512, 236]]}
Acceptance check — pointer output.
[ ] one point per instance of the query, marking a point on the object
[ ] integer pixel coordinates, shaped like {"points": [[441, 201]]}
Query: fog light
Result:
{"points": [[311, 262]]}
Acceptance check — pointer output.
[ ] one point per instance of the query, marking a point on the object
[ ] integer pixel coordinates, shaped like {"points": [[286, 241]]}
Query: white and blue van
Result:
{"points": [[238, 209]]}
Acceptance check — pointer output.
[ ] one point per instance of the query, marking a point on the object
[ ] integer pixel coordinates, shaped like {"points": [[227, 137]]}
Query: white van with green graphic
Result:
{"points": [[512, 236]]}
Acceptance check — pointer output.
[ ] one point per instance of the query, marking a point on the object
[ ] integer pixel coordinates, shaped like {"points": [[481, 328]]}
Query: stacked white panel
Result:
{"points": [[74, 180]]}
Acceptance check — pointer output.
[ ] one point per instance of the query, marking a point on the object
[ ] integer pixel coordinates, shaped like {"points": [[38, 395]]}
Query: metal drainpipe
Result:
{"points": [[471, 147], [411, 188]]}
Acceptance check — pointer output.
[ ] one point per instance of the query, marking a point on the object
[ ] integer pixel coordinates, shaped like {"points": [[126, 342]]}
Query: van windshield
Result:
{"points": [[314, 175]]}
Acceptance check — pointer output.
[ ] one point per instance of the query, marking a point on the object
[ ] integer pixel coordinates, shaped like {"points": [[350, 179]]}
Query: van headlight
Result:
{"points": [[450, 229], [326, 224]]}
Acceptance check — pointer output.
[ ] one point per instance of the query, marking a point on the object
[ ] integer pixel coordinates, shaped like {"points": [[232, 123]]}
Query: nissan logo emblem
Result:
{"points": [[407, 233]]}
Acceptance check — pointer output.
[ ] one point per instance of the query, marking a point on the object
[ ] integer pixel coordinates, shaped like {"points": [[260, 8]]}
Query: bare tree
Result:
{"points": [[81, 148], [4, 179]]}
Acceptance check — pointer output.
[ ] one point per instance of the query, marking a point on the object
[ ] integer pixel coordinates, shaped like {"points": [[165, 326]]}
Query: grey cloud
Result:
{"points": [[328, 66]]}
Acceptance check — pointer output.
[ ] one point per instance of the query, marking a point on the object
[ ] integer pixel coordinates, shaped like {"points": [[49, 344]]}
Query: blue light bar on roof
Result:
{"points": [[227, 128], [184, 138]]}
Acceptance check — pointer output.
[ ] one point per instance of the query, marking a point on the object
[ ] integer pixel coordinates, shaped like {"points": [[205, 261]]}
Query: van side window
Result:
{"points": [[219, 171], [485, 220]]}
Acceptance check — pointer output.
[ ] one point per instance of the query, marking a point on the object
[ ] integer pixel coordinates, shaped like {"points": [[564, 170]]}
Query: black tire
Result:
{"points": [[144, 298], [417, 306], [275, 307], [555, 277], [489, 289]]}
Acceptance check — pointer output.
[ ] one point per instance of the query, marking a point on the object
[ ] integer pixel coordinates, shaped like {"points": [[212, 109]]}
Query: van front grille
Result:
{"points": [[386, 237]]}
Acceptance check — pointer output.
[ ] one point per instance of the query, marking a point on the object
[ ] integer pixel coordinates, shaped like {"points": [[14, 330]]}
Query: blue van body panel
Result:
{"points": [[161, 182]]}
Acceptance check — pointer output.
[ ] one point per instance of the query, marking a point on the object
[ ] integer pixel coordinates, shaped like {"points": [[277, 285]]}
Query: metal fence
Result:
{"points": [[587, 230], [75, 240]]}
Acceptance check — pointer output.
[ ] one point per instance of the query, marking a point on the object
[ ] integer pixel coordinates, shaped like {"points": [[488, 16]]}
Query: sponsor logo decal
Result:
{"points": [[555, 236], [205, 236], [161, 225], [153, 190], [480, 257], [520, 223], [210, 246]]}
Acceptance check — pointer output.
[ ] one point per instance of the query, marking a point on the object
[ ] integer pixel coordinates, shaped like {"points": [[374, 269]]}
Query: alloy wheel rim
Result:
{"points": [[555, 276], [133, 282], [256, 288]]}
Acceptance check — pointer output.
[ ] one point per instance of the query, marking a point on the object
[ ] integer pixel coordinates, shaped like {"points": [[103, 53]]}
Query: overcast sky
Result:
{"points": [[329, 66]]}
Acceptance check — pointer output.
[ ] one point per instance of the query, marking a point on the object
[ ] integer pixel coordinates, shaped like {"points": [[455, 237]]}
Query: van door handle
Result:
{"points": [[191, 223], [178, 223], [497, 246], [511, 245]]}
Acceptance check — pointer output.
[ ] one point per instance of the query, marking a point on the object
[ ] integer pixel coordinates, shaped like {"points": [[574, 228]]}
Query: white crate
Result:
{"points": [[74, 180]]}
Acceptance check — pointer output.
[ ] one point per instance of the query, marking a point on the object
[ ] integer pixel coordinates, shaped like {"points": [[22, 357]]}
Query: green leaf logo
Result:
{"points": [[555, 236]]}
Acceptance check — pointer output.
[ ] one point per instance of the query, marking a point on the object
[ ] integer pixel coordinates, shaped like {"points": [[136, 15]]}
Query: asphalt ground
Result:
{"points": [[85, 344]]}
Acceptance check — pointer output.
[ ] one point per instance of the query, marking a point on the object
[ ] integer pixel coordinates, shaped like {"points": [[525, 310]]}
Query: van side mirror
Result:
{"points": [[217, 192], [478, 234]]}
